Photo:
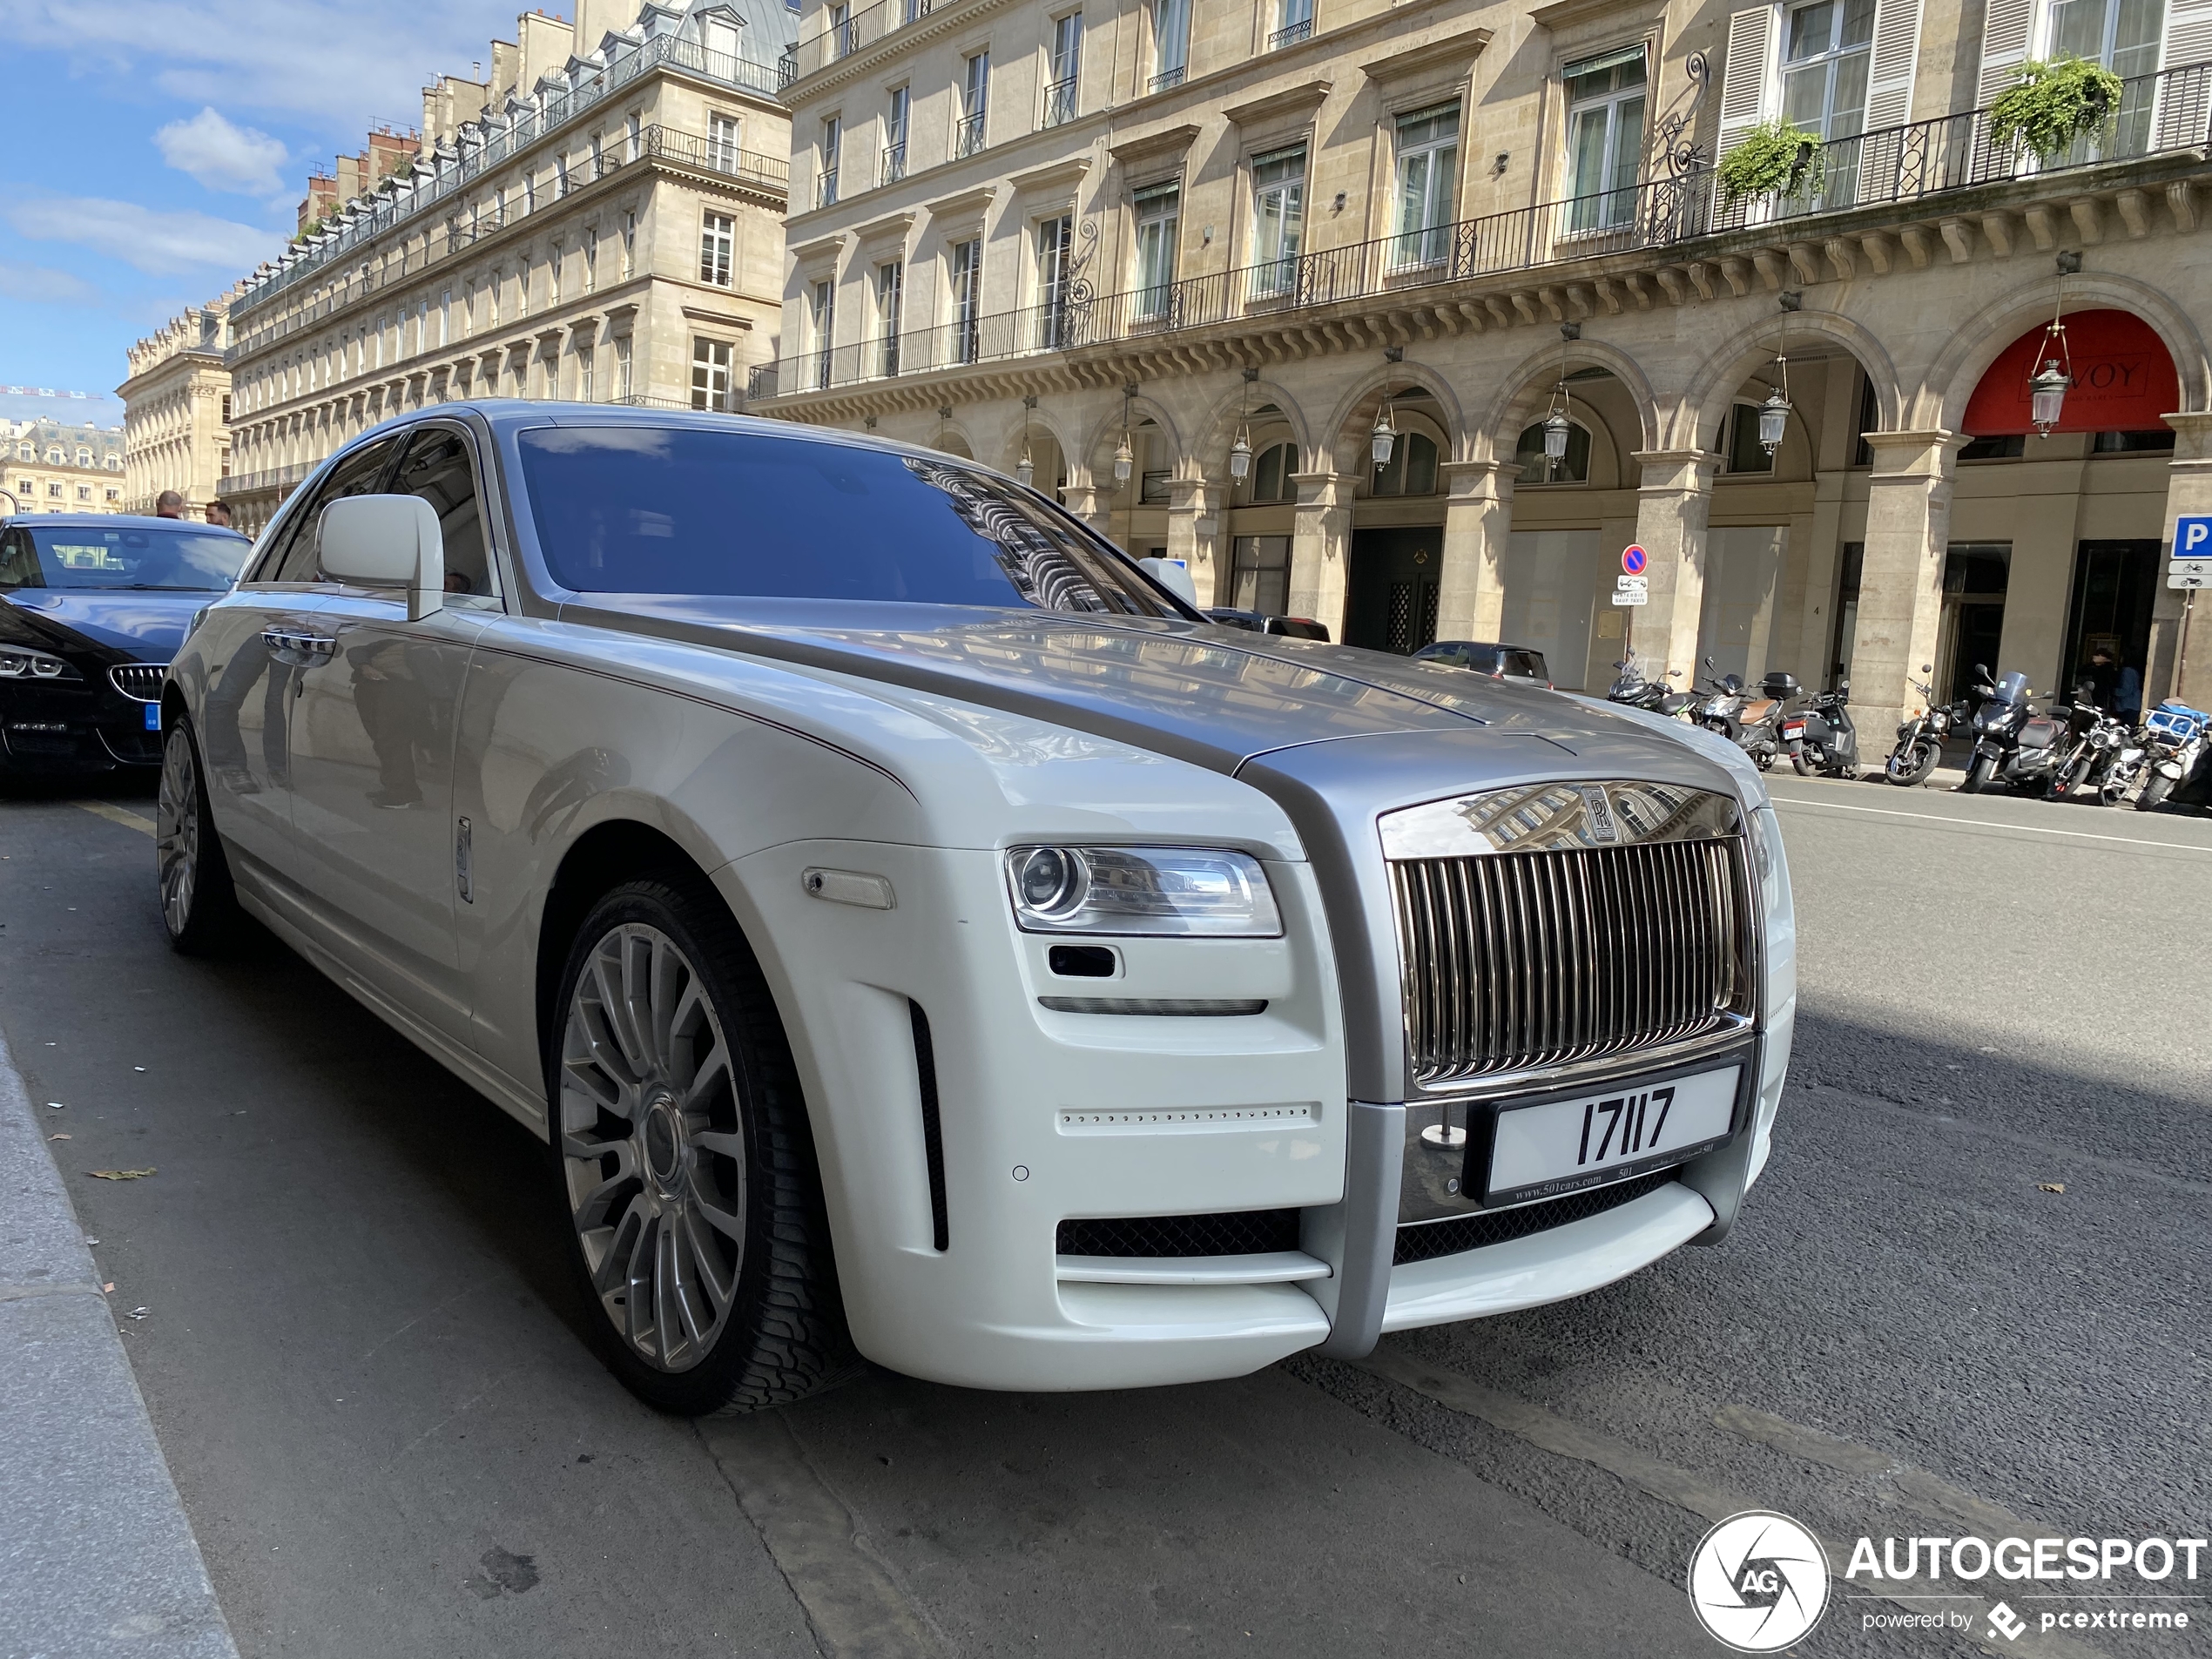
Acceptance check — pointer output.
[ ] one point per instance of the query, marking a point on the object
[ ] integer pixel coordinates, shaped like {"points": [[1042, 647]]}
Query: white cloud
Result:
{"points": [[157, 243], [299, 60], [222, 156], [41, 284]]}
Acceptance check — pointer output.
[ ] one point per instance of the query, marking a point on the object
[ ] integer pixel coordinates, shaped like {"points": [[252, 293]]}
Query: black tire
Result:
{"points": [[780, 1334], [1982, 769], [199, 904], [2077, 775], [1802, 766], [1918, 767], [2156, 788]]}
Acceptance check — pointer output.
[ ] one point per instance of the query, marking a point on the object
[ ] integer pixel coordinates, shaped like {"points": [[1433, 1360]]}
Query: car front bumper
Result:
{"points": [[73, 726]]}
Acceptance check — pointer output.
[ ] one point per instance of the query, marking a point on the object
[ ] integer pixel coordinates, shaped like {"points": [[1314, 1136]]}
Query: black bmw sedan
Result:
{"points": [[92, 608]]}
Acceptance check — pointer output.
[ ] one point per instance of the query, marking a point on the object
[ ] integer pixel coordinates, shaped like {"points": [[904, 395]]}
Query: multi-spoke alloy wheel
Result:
{"points": [[197, 902], [651, 1146], [681, 1143]]}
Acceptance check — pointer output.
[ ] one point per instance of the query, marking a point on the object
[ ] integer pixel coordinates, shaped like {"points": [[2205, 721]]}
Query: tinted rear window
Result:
{"points": [[668, 509], [190, 559]]}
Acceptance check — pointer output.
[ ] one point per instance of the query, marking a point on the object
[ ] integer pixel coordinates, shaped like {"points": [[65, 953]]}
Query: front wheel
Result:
{"points": [[2156, 788], [685, 1164], [199, 906], [1911, 768], [1979, 772]]}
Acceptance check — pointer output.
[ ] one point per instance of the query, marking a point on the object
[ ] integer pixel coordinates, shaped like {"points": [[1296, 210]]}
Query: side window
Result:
{"points": [[437, 469], [19, 562], [358, 474]]}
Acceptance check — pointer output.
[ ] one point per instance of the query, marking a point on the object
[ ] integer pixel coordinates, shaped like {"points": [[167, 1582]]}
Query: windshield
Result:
{"points": [[669, 510], [2013, 689], [192, 559]]}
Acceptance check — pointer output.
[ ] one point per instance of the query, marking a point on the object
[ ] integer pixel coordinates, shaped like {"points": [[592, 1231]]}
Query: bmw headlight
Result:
{"points": [[1174, 891], [22, 663]]}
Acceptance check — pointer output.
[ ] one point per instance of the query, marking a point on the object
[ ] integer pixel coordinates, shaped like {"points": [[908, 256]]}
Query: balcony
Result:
{"points": [[2164, 113], [1167, 80], [825, 188], [1290, 34], [893, 164], [446, 177], [840, 40], [1060, 102], [664, 144], [968, 135]]}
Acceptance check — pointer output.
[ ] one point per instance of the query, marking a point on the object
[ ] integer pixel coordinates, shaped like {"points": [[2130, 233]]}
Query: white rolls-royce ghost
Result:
{"points": [[918, 931]]}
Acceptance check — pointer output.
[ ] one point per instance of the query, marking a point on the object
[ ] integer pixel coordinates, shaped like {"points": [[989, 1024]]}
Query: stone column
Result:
{"points": [[1091, 504], [1672, 504], [1900, 583], [1478, 516], [1194, 527], [2180, 664], [1320, 547]]}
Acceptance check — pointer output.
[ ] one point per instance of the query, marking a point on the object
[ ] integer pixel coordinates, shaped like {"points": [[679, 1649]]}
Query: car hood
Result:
{"points": [[117, 624], [1218, 696]]}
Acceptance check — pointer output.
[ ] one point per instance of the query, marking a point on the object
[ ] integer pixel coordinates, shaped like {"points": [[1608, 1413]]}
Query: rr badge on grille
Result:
{"points": [[1601, 813]]}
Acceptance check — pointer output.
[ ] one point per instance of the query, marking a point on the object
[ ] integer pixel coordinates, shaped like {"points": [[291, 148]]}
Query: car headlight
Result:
{"points": [[1186, 891], [22, 663]]}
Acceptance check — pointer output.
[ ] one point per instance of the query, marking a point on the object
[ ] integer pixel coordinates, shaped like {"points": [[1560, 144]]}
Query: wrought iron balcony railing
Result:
{"points": [[2171, 111], [968, 135], [863, 28], [1290, 34], [1167, 79], [894, 164], [1060, 102]]}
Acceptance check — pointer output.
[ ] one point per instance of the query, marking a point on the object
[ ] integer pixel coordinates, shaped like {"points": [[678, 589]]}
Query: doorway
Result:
{"points": [[1976, 577], [1392, 604], [2116, 584]]}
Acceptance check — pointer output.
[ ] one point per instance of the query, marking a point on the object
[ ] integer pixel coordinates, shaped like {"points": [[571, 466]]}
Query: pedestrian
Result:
{"points": [[2127, 695], [219, 512], [2100, 677], [169, 504]]}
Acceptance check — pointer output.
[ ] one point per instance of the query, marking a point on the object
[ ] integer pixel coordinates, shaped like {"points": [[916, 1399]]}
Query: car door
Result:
{"points": [[372, 751], [257, 647]]}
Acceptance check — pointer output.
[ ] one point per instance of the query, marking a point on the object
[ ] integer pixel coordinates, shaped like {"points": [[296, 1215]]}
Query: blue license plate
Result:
{"points": [[153, 716]]}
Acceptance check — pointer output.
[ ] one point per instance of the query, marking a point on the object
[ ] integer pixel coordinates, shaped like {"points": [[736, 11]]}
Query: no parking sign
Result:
{"points": [[1632, 557]]}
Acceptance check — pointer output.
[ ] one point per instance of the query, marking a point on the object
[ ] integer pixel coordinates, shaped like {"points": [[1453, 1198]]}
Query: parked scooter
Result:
{"points": [[2016, 744], [1751, 722], [1630, 688], [1821, 738], [2175, 739], [1919, 740]]}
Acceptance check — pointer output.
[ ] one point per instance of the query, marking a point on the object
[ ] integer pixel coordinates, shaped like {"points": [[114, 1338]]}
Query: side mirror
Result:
{"points": [[1927, 668], [1843, 688], [387, 541], [1175, 575], [1673, 673], [1981, 669]]}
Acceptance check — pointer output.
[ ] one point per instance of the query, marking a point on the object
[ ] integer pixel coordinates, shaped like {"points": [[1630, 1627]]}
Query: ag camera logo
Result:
{"points": [[1758, 1582]]}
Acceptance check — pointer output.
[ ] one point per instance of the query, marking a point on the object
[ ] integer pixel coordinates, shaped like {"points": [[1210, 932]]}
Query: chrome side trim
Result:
{"points": [[1360, 1237], [1275, 1267]]}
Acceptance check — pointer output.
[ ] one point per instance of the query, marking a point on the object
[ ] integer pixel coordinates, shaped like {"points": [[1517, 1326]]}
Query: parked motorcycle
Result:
{"points": [[1821, 738], [2175, 739], [2110, 761], [1919, 740], [1632, 689]]}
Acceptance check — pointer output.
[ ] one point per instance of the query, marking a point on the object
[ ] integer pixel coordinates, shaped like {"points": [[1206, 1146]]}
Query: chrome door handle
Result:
{"points": [[283, 639]]}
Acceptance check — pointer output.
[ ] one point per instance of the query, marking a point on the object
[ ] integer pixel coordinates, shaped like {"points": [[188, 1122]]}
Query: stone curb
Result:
{"points": [[97, 1558]]}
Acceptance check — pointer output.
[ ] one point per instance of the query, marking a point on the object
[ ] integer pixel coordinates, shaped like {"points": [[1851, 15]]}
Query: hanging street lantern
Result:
{"points": [[1240, 457], [1027, 470], [1123, 460], [1556, 427], [1774, 421], [2047, 396], [1385, 437]]}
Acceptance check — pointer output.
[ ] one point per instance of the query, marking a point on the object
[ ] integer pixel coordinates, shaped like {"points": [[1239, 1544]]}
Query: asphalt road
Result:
{"points": [[363, 1366]]}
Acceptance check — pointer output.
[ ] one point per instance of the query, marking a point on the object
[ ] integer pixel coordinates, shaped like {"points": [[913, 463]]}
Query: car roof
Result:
{"points": [[1480, 644], [120, 520], [506, 415]]}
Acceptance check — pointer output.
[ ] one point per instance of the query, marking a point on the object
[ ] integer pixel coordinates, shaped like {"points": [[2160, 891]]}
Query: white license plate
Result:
{"points": [[1562, 1146]]}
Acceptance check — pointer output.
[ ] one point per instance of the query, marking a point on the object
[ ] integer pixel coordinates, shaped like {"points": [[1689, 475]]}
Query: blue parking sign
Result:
{"points": [[2193, 536]]}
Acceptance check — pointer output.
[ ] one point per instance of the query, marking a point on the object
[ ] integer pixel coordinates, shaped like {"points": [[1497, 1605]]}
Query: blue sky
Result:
{"points": [[160, 148]]}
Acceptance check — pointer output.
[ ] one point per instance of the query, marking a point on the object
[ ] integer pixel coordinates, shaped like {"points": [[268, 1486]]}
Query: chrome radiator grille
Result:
{"points": [[138, 680], [1519, 959]]}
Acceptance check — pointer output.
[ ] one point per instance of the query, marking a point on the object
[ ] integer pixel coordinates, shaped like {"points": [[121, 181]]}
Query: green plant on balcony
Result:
{"points": [[1774, 158], [2051, 106]]}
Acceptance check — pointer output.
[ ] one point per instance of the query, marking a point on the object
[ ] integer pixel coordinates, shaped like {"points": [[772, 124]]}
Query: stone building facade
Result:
{"points": [[1130, 240], [599, 220], [53, 467], [176, 412]]}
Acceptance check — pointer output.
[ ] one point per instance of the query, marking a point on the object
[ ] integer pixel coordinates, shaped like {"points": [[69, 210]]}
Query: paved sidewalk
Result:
{"points": [[96, 1555]]}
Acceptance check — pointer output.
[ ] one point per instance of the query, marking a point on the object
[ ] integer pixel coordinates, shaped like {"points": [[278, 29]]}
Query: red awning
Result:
{"points": [[2123, 379]]}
